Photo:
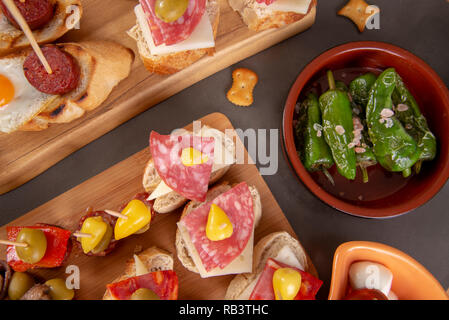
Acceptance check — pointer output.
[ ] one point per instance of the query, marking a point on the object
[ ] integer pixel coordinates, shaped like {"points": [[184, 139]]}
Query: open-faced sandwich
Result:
{"points": [[83, 76], [265, 14], [48, 19], [281, 271], [183, 164], [215, 237], [148, 276], [173, 34]]}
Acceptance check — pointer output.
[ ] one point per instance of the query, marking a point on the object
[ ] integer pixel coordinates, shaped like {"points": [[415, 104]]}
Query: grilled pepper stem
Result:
{"points": [[409, 114], [314, 152], [394, 148], [338, 128]]}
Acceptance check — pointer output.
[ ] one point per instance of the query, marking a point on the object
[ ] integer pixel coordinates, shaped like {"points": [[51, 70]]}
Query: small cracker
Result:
{"points": [[356, 10], [241, 92]]}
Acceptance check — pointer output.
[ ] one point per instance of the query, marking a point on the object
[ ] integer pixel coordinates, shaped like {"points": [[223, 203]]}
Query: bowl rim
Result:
{"points": [[345, 249], [289, 143]]}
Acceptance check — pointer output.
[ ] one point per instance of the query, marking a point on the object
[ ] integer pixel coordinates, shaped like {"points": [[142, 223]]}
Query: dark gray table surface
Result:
{"points": [[421, 27]]}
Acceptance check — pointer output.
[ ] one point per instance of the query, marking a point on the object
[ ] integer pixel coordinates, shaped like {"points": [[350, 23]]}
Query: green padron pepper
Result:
{"points": [[394, 148], [362, 145], [338, 128], [408, 112], [360, 87], [314, 152]]}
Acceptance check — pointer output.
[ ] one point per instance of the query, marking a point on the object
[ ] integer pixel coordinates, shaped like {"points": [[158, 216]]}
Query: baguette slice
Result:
{"points": [[12, 39], [155, 259], [174, 62], [174, 200], [259, 18], [103, 65], [241, 287], [181, 247]]}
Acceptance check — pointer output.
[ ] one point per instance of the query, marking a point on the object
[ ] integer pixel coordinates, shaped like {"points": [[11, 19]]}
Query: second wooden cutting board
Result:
{"points": [[118, 185], [24, 155]]}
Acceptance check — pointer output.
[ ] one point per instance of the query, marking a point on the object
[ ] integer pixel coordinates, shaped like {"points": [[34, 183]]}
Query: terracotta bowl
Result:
{"points": [[411, 281], [387, 194]]}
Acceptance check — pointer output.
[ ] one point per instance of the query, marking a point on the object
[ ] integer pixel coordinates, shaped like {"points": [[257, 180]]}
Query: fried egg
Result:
{"points": [[19, 100]]}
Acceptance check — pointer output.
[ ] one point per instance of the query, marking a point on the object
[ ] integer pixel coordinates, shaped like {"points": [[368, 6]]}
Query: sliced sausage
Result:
{"points": [[65, 71], [37, 13]]}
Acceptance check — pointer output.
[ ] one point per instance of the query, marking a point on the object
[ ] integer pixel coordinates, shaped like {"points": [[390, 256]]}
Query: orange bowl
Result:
{"points": [[411, 281]]}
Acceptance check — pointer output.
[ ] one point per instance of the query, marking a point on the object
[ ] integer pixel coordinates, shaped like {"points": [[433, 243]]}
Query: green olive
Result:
{"points": [[144, 294], [37, 245], [104, 243], [58, 290], [170, 10], [20, 283]]}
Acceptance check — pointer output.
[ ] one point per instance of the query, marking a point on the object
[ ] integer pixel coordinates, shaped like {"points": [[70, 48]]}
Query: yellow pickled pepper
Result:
{"points": [[191, 157], [218, 227], [286, 283], [138, 217], [96, 227]]}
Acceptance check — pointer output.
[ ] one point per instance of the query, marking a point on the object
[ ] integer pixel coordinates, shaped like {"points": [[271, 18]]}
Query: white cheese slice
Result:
{"points": [[288, 257], [141, 269], [297, 6], [241, 264], [202, 37], [224, 155], [370, 275]]}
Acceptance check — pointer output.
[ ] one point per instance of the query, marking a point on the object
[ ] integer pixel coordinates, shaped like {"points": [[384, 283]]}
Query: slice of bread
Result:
{"points": [[181, 247], [241, 287], [103, 65], [174, 62], [155, 259], [12, 38], [259, 18]]}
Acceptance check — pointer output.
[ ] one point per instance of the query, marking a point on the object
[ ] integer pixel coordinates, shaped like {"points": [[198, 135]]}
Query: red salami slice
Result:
{"points": [[264, 287], [172, 33], [163, 283], [191, 182], [37, 13], [237, 203], [267, 2]]}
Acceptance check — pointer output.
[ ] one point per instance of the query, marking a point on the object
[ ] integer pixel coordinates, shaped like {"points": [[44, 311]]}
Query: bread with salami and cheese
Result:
{"points": [[172, 62], [280, 246], [187, 253]]}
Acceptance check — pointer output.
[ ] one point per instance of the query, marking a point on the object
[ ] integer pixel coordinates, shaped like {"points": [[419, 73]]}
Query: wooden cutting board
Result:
{"points": [[24, 155], [118, 185]]}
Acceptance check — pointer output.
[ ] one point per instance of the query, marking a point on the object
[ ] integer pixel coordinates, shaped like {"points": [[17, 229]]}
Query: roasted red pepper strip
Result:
{"points": [[57, 246], [163, 283], [264, 287]]}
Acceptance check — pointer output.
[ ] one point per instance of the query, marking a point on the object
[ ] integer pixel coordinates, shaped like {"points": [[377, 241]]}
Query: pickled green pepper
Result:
{"points": [[360, 87], [409, 114], [314, 152], [338, 128], [394, 148]]}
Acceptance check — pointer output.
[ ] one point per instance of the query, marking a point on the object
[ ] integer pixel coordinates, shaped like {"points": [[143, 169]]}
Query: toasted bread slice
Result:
{"points": [[12, 39], [181, 247], [259, 18], [241, 287], [155, 259], [103, 65], [174, 62]]}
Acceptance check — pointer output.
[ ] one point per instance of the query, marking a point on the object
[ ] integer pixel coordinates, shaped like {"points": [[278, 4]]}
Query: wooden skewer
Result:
{"points": [[82, 235], [116, 214], [13, 243], [11, 6]]}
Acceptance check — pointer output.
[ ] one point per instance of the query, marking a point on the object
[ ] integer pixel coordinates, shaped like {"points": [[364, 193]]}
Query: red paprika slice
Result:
{"points": [[57, 248]]}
